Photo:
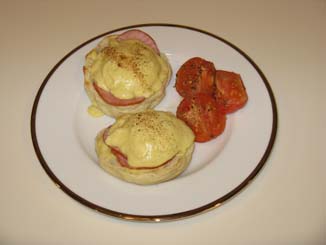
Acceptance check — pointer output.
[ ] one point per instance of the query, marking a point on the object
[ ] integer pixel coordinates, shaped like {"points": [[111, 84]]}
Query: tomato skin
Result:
{"points": [[196, 75], [203, 115], [230, 91], [109, 98], [209, 95]]}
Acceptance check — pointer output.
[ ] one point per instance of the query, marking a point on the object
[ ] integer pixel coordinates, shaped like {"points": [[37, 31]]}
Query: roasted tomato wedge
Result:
{"points": [[203, 115], [112, 100], [230, 91], [196, 75]]}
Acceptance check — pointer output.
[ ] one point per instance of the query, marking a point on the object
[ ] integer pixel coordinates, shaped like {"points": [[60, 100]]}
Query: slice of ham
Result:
{"points": [[123, 160], [112, 100], [106, 133], [141, 36]]}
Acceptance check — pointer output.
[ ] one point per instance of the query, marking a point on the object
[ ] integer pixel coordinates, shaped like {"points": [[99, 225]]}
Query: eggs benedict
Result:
{"points": [[125, 73], [145, 148]]}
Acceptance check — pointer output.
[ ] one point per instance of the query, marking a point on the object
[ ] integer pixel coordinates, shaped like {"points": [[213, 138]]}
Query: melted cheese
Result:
{"points": [[128, 68], [150, 138]]}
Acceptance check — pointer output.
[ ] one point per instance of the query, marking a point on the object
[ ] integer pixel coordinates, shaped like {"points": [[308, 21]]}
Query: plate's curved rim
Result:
{"points": [[167, 217]]}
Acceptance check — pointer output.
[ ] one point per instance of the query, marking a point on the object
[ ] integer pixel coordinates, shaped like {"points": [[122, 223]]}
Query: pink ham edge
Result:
{"points": [[112, 100], [106, 133], [141, 36], [122, 158]]}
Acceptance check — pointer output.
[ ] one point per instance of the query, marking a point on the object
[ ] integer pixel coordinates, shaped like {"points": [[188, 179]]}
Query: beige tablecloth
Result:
{"points": [[286, 204]]}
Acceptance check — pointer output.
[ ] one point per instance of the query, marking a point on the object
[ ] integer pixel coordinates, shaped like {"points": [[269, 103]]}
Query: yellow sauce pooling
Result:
{"points": [[128, 69], [150, 138], [94, 111]]}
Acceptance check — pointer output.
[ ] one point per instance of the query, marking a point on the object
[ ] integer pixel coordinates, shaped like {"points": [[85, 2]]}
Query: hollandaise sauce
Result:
{"points": [[94, 111], [150, 138], [128, 69]]}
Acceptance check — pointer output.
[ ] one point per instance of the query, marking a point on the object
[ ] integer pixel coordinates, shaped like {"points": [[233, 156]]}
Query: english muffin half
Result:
{"points": [[125, 73]]}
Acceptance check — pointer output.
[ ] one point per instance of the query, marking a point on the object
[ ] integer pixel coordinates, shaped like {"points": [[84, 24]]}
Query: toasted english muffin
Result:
{"points": [[125, 73], [145, 148]]}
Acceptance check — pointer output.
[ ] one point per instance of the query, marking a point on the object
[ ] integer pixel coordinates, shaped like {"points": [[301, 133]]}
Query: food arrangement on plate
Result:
{"points": [[125, 77]]}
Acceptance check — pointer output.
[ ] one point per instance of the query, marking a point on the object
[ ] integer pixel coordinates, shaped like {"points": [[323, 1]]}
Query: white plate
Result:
{"points": [[63, 134]]}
